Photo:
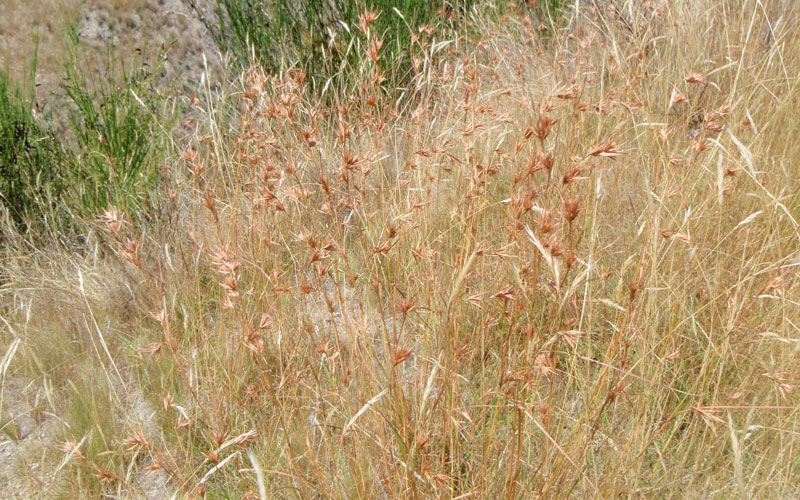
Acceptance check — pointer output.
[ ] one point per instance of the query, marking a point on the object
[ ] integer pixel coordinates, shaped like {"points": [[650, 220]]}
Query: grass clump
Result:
{"points": [[110, 152], [121, 129], [564, 269]]}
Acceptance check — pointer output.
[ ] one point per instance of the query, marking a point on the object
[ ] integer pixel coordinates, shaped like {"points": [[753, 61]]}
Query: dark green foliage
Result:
{"points": [[30, 157], [317, 35]]}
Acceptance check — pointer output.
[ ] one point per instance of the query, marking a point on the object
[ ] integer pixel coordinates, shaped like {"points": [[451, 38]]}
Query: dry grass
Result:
{"points": [[562, 267]]}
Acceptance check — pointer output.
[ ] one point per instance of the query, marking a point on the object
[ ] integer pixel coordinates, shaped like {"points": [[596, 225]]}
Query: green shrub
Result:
{"points": [[118, 135], [317, 35], [30, 157], [121, 135]]}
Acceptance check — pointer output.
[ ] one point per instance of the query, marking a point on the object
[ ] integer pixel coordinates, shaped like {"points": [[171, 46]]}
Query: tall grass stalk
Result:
{"points": [[565, 269]]}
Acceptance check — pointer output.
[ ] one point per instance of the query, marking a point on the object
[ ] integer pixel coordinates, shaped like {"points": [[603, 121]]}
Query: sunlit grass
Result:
{"points": [[561, 267]]}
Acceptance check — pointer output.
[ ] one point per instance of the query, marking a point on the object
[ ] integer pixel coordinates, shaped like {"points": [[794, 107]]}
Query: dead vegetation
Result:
{"points": [[562, 266]]}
